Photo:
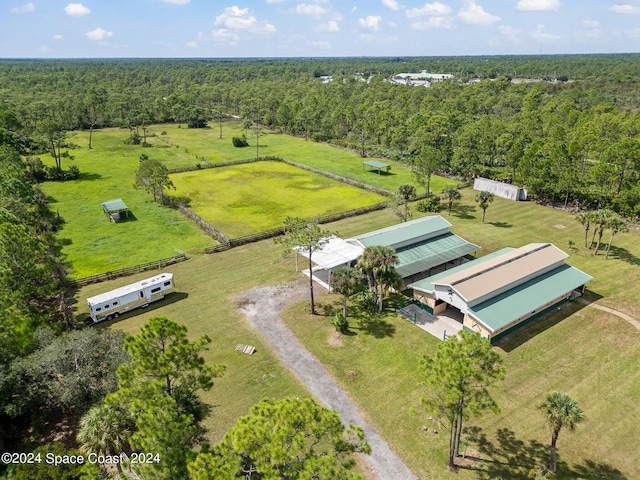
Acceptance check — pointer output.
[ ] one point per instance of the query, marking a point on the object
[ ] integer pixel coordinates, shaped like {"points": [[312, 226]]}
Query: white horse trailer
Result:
{"points": [[111, 304]]}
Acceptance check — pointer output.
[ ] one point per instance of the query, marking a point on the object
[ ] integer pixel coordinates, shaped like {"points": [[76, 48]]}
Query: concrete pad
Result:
{"points": [[440, 326]]}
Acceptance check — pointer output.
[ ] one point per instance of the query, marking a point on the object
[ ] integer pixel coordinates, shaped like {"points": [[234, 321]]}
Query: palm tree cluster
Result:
{"points": [[601, 220], [378, 262]]}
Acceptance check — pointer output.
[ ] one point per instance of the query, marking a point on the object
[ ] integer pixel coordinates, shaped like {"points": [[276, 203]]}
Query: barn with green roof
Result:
{"points": [[422, 245], [503, 291]]}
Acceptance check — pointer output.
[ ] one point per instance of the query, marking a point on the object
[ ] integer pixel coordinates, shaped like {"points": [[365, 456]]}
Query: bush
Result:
{"points": [[368, 302], [72, 174], [341, 323], [134, 139], [431, 204], [37, 170], [240, 142]]}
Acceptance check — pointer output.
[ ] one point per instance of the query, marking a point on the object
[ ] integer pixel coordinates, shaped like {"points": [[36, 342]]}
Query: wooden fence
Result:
{"points": [[256, 237], [102, 277]]}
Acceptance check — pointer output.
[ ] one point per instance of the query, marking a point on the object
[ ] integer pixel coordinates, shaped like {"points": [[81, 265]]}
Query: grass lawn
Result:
{"points": [[196, 144], [204, 301], [589, 354], [93, 244], [245, 199]]}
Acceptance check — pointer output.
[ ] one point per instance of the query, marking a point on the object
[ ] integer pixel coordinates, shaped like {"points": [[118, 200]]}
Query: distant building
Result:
{"points": [[422, 78], [500, 189]]}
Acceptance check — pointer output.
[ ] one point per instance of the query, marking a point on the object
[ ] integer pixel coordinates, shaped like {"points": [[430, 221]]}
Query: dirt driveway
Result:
{"points": [[262, 307]]}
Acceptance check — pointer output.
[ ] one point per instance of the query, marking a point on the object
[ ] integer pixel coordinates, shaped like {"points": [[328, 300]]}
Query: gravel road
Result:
{"points": [[262, 307]]}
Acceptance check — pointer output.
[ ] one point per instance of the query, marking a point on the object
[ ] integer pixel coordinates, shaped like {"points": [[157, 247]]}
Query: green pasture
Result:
{"points": [[245, 199], [591, 355], [93, 244], [195, 145]]}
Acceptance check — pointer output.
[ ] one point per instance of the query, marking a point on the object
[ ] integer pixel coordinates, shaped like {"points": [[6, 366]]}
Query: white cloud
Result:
{"points": [[590, 29], [392, 4], [236, 18], [633, 33], [433, 22], [474, 14], [98, 34], [177, 2], [538, 5], [76, 10], [319, 44], [26, 8], [625, 9], [57, 37], [542, 36], [225, 35], [372, 21], [513, 34], [330, 26], [435, 9], [192, 44], [310, 9]]}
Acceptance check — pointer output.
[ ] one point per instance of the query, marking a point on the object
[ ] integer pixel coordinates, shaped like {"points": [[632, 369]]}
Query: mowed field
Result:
{"points": [[191, 146], [94, 245], [245, 199], [90, 242], [589, 354]]}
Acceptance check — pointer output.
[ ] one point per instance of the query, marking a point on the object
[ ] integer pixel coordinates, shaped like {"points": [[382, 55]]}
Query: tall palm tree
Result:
{"points": [[376, 261], [616, 225], [484, 199], [105, 430], [451, 194], [347, 281], [602, 221], [560, 411], [585, 219]]}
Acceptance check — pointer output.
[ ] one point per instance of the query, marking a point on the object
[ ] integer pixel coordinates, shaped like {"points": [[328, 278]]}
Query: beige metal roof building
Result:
{"points": [[503, 291]]}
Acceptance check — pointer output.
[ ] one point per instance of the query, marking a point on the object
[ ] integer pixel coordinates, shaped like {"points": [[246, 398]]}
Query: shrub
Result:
{"points": [[368, 302], [134, 139], [341, 323], [431, 204], [240, 142], [73, 173]]}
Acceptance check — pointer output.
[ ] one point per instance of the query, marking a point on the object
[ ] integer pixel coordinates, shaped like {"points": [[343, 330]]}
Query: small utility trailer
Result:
{"points": [[112, 304]]}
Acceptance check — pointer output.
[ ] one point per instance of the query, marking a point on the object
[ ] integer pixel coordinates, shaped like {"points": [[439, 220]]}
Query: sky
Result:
{"points": [[315, 28]]}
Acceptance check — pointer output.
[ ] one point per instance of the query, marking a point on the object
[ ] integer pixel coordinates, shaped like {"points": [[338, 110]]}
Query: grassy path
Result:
{"points": [[624, 316]]}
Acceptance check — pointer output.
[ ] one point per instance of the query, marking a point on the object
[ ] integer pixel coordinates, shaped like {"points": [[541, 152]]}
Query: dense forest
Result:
{"points": [[569, 130]]}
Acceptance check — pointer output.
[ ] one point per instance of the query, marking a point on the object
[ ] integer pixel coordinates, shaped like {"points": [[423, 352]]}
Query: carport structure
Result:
{"points": [[335, 253], [114, 208], [376, 165]]}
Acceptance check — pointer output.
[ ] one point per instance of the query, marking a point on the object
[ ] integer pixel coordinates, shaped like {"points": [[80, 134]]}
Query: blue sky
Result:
{"points": [[294, 28]]}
